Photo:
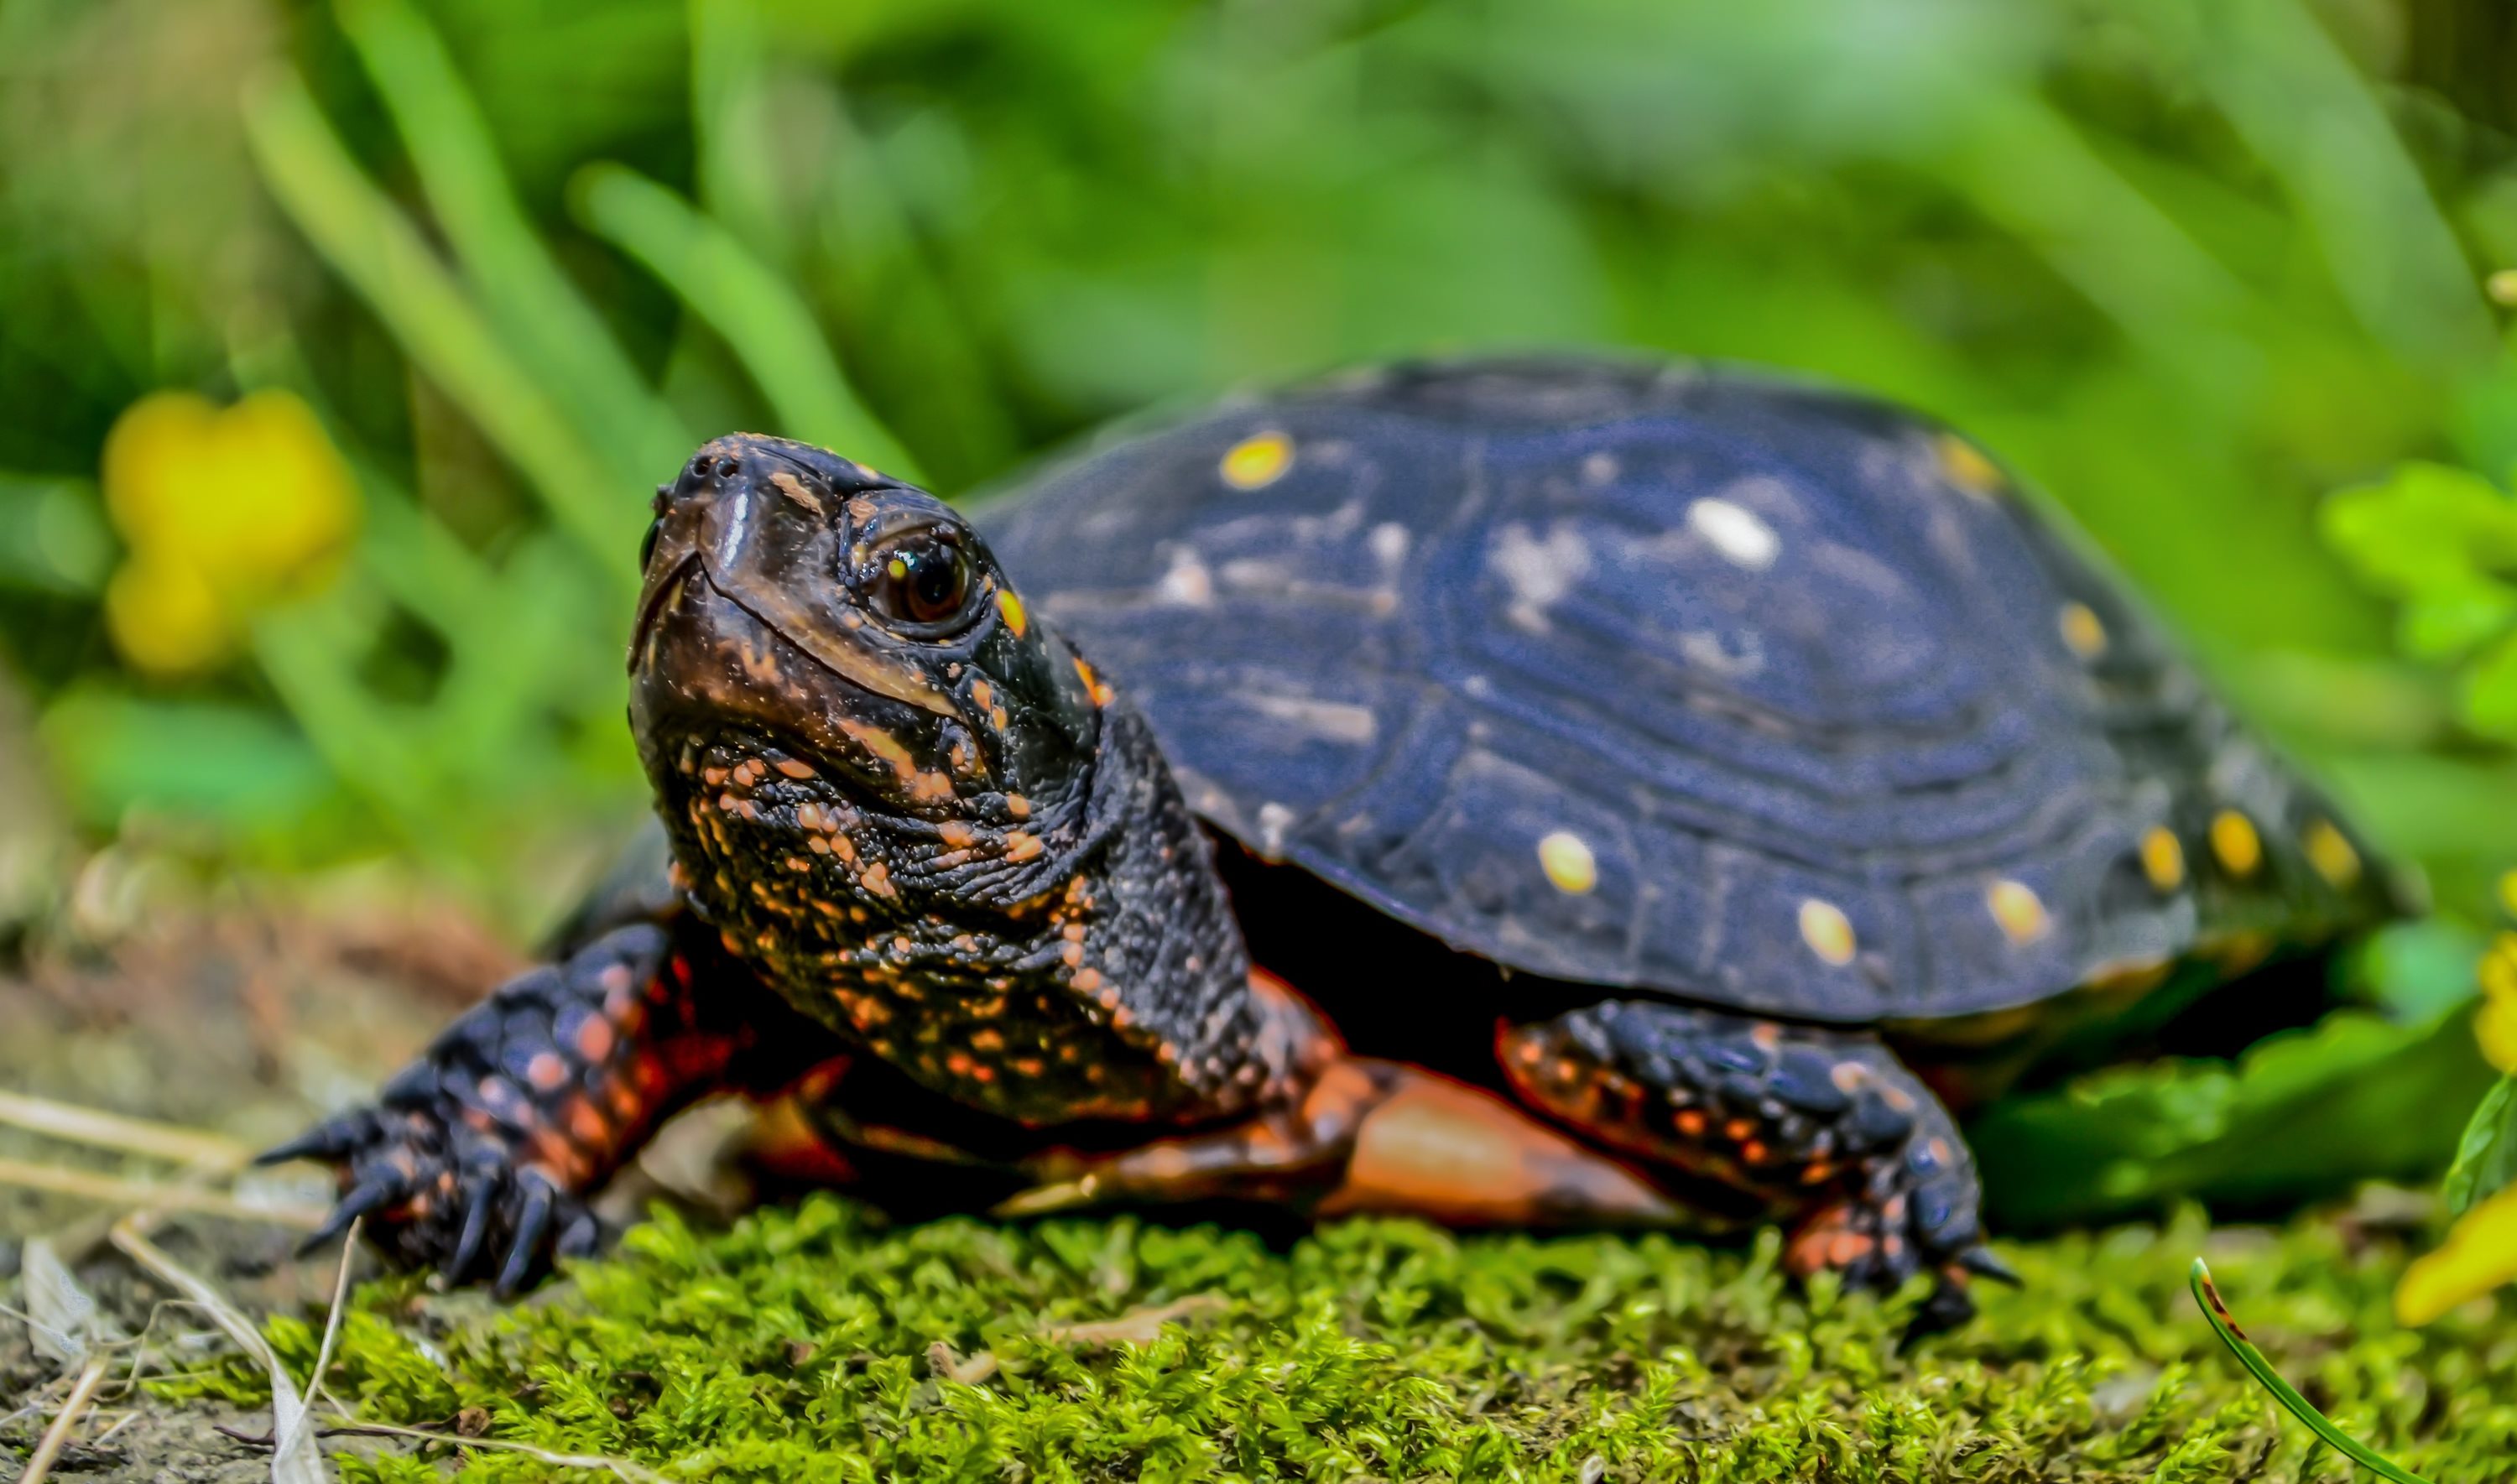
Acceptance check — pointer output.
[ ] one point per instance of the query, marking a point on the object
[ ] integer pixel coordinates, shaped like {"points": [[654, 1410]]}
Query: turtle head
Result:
{"points": [[822, 651]]}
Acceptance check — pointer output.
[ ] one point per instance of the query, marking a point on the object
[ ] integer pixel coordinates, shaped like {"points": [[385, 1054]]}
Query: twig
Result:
{"points": [[150, 1195], [618, 1467], [58, 1436], [301, 1465], [2225, 1325], [112, 1130], [331, 1332]]}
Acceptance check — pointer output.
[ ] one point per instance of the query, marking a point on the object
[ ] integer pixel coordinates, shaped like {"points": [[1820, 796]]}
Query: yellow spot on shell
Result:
{"points": [[1255, 462], [1964, 465], [2235, 842], [2082, 630], [2162, 858], [2017, 909], [2330, 854], [1011, 608], [1827, 931], [1568, 862]]}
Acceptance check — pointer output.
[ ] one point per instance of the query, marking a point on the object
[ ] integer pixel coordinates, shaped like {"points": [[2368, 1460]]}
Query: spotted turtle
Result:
{"points": [[1509, 790]]}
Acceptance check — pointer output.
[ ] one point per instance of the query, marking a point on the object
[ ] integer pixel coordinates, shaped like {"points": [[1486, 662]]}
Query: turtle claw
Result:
{"points": [[581, 1238], [326, 1141], [370, 1196], [532, 1223], [1981, 1261], [479, 1194]]}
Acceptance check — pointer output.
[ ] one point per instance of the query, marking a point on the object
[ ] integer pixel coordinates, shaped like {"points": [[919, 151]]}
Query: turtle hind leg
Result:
{"points": [[1826, 1129]]}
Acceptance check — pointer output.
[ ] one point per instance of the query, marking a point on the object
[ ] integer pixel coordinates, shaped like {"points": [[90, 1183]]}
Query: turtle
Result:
{"points": [[1541, 790]]}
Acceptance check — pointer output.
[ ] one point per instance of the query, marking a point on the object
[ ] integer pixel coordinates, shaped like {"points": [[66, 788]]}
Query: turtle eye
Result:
{"points": [[920, 579]]}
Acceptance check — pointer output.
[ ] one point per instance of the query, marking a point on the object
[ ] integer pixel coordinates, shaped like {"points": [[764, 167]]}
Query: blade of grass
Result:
{"points": [[2269, 65], [509, 267], [2207, 1296], [369, 242], [732, 120], [759, 315]]}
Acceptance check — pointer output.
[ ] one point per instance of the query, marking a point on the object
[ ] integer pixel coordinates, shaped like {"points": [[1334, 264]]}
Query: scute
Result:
{"points": [[1751, 646]]}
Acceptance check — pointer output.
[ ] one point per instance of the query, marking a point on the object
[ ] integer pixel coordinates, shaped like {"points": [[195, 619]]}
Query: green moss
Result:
{"points": [[801, 1346]]}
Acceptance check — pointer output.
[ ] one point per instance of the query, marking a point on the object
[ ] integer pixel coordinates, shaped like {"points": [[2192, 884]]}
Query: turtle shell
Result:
{"points": [[1678, 679]]}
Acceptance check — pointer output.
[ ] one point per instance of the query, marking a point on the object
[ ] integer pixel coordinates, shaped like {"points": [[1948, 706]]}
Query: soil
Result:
{"points": [[243, 1022]]}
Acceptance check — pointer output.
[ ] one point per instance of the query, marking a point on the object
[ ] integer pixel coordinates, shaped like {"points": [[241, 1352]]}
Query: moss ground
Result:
{"points": [[814, 1343]]}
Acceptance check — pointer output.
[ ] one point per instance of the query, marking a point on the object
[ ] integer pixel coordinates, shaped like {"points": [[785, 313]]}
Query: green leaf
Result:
{"points": [[2305, 1114], [236, 764], [2225, 1325], [507, 266], [759, 315], [370, 243], [53, 536], [2485, 1158], [2429, 528]]}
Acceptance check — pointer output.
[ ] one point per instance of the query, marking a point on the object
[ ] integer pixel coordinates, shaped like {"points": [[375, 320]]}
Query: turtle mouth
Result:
{"points": [[661, 593], [706, 664]]}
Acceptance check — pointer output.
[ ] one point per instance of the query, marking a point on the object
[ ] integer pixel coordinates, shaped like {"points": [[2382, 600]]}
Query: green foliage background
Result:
{"points": [[2192, 265]]}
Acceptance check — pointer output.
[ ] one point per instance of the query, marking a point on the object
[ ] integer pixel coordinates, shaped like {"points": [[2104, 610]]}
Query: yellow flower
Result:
{"points": [[2480, 1255], [2496, 1024], [225, 511]]}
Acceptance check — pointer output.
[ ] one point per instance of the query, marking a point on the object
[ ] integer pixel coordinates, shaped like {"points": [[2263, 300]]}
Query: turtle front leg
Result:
{"points": [[1827, 1128], [493, 1140], [1357, 1134]]}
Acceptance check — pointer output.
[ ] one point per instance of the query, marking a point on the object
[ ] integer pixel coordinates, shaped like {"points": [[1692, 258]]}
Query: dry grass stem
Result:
{"points": [[112, 1130], [618, 1467], [331, 1334], [57, 1436], [1141, 1327], [295, 1460], [152, 1195]]}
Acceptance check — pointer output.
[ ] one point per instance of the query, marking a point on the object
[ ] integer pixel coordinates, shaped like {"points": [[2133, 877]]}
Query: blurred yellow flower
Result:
{"points": [[2495, 1025], [225, 512], [2480, 1255]]}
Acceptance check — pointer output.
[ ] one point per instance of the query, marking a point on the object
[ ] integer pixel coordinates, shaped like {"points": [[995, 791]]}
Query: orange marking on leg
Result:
{"points": [[546, 1072], [594, 1039], [586, 1125], [1436, 1148]]}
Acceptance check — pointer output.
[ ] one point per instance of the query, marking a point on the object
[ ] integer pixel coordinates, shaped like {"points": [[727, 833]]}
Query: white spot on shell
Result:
{"points": [[1704, 649], [1187, 584], [1539, 573], [1336, 720], [1274, 820], [1739, 534], [1388, 542]]}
